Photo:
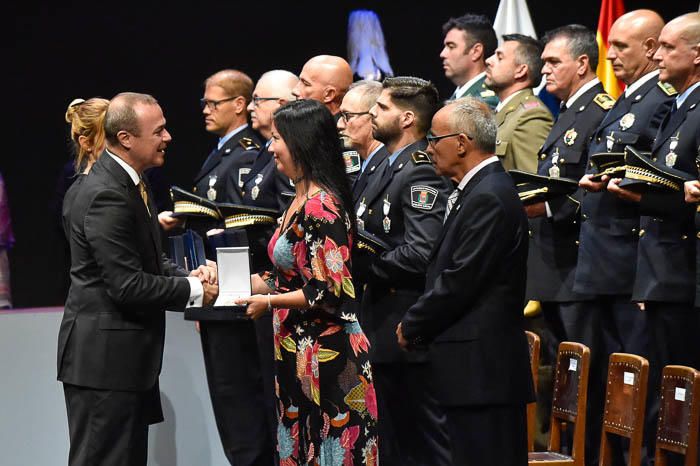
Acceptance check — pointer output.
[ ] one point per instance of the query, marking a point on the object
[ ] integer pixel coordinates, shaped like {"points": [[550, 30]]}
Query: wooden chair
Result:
{"points": [[568, 406], [533, 345], [679, 415], [625, 400]]}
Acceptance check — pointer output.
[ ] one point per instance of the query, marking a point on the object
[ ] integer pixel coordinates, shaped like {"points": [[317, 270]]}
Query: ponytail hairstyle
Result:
{"points": [[86, 119]]}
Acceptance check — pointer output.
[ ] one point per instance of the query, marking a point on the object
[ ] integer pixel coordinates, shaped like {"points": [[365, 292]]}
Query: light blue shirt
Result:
{"points": [[369, 157], [681, 97], [396, 154], [225, 139]]}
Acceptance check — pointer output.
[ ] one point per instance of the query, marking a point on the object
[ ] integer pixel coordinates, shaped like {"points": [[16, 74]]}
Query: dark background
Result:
{"points": [[63, 50]]}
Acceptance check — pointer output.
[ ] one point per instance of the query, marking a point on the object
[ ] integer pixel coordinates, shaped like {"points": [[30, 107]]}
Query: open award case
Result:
{"points": [[234, 282]]}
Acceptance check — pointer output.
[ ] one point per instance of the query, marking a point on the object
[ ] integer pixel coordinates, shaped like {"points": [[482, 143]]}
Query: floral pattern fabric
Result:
{"points": [[327, 406]]}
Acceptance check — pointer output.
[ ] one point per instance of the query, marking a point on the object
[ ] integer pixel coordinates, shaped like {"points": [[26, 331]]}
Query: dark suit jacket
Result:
{"points": [[229, 165], [396, 279], [471, 310], [362, 181], [666, 258], [609, 225], [554, 240], [113, 327]]}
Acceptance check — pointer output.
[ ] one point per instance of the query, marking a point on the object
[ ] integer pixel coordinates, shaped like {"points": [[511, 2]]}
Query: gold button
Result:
{"points": [[634, 231], [369, 212], [641, 232], [543, 156], [529, 232], [584, 216], [684, 237], [577, 242], [698, 235]]}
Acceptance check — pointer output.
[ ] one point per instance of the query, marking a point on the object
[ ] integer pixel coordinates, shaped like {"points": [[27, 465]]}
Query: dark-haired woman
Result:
{"points": [[327, 405]]}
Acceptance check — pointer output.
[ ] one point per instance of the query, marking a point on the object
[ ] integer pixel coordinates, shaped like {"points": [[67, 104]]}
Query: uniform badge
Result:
{"points": [[352, 161], [211, 192], [626, 121], [610, 143], [360, 211], [241, 173], [604, 101], [255, 192], [554, 170], [385, 210], [671, 157], [570, 137], [667, 88], [423, 197]]}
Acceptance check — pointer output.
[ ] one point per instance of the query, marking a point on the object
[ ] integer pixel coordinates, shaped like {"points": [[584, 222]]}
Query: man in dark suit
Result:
{"points": [[665, 278], [471, 311], [110, 344], [403, 205]]}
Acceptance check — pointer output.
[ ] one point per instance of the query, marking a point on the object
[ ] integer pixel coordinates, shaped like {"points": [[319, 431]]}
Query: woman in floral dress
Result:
{"points": [[326, 401]]}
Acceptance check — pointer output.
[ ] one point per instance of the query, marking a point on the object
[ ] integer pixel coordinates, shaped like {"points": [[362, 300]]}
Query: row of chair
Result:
{"points": [[625, 400]]}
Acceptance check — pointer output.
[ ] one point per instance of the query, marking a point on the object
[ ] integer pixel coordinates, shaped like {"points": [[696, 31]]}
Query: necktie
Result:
{"points": [[450, 203], [674, 107], [144, 195]]}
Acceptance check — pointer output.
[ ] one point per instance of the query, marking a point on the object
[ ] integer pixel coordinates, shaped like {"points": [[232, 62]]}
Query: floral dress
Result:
{"points": [[326, 401]]}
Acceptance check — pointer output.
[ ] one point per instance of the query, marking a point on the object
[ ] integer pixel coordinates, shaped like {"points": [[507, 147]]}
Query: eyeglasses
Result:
{"points": [[347, 116], [257, 100], [214, 104], [433, 140]]}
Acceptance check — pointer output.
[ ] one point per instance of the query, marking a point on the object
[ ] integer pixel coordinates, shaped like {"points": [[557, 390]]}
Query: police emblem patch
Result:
{"points": [[570, 137], [352, 161], [423, 197]]}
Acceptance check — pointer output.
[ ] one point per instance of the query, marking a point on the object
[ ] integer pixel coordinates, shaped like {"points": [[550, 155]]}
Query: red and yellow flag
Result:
{"points": [[610, 10]]}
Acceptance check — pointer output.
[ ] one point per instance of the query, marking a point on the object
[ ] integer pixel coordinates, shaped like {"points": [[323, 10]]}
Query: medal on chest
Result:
{"points": [[256, 189], [386, 208], [610, 143], [360, 211], [671, 157], [211, 192], [626, 121], [554, 170], [570, 137]]}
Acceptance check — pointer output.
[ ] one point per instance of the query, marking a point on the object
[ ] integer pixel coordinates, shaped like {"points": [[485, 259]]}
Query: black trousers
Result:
{"points": [[488, 435], [109, 427], [232, 363], [411, 426]]}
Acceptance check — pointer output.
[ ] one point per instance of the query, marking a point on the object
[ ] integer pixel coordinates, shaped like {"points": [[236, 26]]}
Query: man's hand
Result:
{"points": [[205, 273], [257, 305], [403, 343], [593, 186], [692, 191], [168, 222], [536, 210], [624, 194], [210, 293]]}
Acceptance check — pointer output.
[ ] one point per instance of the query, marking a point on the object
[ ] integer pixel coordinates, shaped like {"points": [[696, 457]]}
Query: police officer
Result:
{"points": [[665, 278], [523, 120], [469, 40], [404, 206]]}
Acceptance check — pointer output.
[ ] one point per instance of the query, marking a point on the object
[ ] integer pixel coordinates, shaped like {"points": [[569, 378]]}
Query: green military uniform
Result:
{"points": [[479, 90], [523, 125]]}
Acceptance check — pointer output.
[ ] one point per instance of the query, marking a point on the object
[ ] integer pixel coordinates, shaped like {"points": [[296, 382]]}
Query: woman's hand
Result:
{"points": [[258, 305], [258, 285]]}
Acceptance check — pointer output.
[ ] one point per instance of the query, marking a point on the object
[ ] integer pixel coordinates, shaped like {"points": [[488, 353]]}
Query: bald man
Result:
{"points": [[666, 264], [325, 78], [610, 226]]}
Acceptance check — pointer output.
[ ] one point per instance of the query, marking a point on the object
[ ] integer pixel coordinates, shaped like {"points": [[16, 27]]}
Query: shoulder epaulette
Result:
{"points": [[529, 103], [248, 144], [487, 92], [668, 89], [604, 101], [420, 157]]}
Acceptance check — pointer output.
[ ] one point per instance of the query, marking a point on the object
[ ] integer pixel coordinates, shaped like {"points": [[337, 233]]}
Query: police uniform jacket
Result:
{"points": [[224, 168], [666, 258], [405, 209], [523, 125], [362, 180], [471, 310], [609, 225], [554, 240], [481, 91]]}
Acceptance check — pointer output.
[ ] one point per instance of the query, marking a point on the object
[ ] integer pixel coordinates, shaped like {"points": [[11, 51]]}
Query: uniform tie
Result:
{"points": [[450, 203], [144, 195]]}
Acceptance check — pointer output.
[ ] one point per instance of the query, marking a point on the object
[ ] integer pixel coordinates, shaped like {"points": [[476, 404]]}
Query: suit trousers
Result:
{"points": [[232, 364], [488, 435], [411, 424], [110, 427]]}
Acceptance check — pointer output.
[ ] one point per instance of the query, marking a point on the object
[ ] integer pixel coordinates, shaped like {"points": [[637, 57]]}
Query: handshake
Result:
{"points": [[210, 282]]}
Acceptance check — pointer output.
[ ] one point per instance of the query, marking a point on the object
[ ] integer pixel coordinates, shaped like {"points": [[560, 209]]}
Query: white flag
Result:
{"points": [[513, 17]]}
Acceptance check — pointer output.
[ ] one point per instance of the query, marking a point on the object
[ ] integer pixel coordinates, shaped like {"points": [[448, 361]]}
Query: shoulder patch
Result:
{"points": [[420, 157], [604, 101], [352, 161], [423, 197], [248, 144], [487, 93], [667, 88], [529, 104]]}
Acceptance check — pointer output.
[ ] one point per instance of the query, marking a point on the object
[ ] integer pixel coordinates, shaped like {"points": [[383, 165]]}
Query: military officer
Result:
{"points": [[469, 40], [523, 120], [404, 206], [570, 59]]}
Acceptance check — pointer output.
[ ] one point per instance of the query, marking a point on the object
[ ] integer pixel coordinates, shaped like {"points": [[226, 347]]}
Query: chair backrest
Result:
{"points": [[679, 412], [569, 397], [625, 400], [533, 345]]}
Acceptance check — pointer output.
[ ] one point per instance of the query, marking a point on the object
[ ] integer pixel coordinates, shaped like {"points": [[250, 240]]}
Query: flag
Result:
{"points": [[513, 17], [610, 10]]}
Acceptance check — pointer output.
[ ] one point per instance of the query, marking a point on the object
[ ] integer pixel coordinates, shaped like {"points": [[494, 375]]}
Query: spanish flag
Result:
{"points": [[610, 10]]}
